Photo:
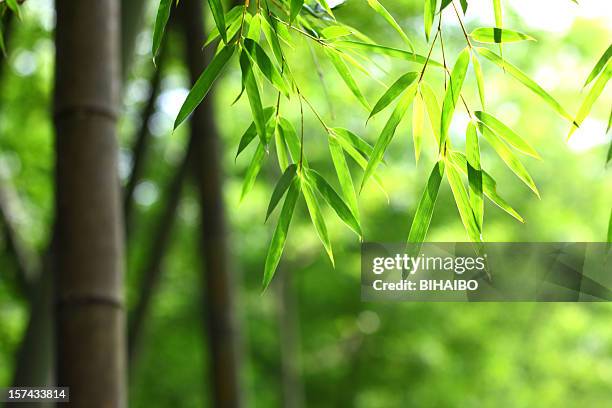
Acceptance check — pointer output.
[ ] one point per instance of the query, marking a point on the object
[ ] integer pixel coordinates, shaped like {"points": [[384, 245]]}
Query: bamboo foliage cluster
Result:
{"points": [[260, 33]]}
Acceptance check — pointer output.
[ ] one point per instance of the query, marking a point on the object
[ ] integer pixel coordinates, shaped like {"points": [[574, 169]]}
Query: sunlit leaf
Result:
{"points": [[452, 94], [525, 80], [433, 109], [336, 31], [163, 14], [509, 158], [418, 116], [344, 175], [252, 89], [264, 64], [489, 185], [507, 134], [281, 149], [326, 7], [283, 184], [292, 140], [277, 244], [600, 65], [424, 211], [429, 13], [203, 84], [347, 77], [348, 137], [474, 172], [333, 199], [317, 218], [498, 35], [391, 52], [479, 79], [591, 97], [388, 131], [394, 91], [379, 8], [463, 204]]}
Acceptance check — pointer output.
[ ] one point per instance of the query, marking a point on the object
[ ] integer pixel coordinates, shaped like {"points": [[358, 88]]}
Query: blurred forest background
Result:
{"points": [[309, 340]]}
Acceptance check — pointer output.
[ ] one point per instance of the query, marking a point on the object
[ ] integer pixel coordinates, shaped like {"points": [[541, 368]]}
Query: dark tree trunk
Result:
{"points": [[89, 268], [218, 292]]}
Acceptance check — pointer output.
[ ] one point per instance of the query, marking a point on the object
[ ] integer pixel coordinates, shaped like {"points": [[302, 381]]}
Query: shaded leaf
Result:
{"points": [[317, 218], [252, 89], [379, 8], [394, 91], [498, 35], [452, 94], [463, 204], [507, 134], [219, 16], [163, 14], [474, 172], [261, 59], [283, 184], [251, 132], [203, 84], [424, 211], [591, 97], [14, 6], [277, 244], [295, 7], [347, 77], [270, 28], [281, 150], [525, 80]]}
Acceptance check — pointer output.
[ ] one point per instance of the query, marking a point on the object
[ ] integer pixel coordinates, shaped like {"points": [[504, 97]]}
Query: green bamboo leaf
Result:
{"points": [[489, 185], [261, 59], [14, 6], [498, 35], [163, 14], [2, 45], [463, 204], [317, 218], [433, 109], [251, 132], [479, 79], [509, 158], [347, 77], [591, 97], [525, 80], [219, 16], [464, 5], [252, 89], [283, 184], [379, 8], [203, 84], [254, 32], [292, 140], [233, 21], [269, 26], [444, 4], [600, 65], [474, 172], [389, 51], [498, 13], [347, 137], [295, 7], [327, 8], [393, 92], [452, 94], [387, 133], [281, 149], [253, 170], [429, 13], [344, 175], [280, 233], [418, 116], [335, 202], [336, 31], [507, 134], [424, 211], [609, 240]]}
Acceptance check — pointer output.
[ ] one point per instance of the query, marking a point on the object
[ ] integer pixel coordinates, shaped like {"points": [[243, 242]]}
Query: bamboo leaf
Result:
{"points": [[270, 28], [382, 11], [387, 133], [203, 84], [336, 31], [283, 184], [163, 14], [292, 140], [280, 233], [344, 175], [14, 6], [347, 137], [464, 5], [433, 109], [281, 150], [609, 239], [317, 218], [497, 35], [393, 92], [452, 94], [591, 97], [479, 79], [327, 8], [463, 204], [261, 59], [474, 172], [252, 89], [498, 13], [347, 77], [251, 132], [389, 51], [335, 202], [429, 13], [424, 211], [600, 65], [507, 134], [418, 116], [217, 11], [489, 185], [233, 21], [253, 170], [525, 80], [295, 7], [509, 158]]}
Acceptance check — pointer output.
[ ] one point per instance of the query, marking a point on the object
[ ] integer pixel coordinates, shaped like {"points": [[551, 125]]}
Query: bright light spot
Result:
{"points": [[509, 113], [159, 124], [125, 163], [368, 322], [547, 76], [25, 63], [137, 91], [170, 101], [590, 134], [459, 125], [144, 42], [189, 210], [10, 165], [146, 193]]}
